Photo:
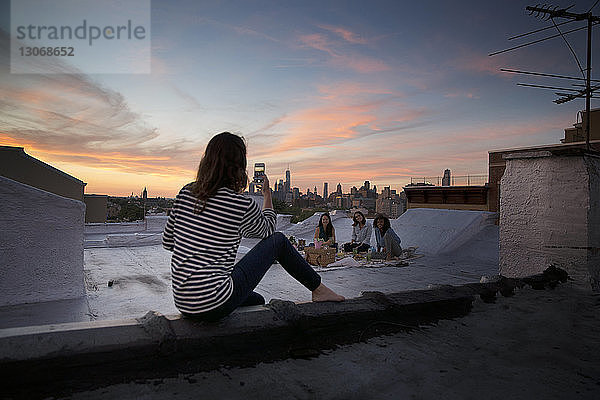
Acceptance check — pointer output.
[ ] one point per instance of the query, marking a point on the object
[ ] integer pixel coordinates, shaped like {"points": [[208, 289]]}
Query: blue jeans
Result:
{"points": [[249, 271]]}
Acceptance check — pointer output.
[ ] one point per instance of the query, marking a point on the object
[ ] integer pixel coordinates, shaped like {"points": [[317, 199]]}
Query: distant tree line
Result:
{"points": [[132, 208], [298, 214]]}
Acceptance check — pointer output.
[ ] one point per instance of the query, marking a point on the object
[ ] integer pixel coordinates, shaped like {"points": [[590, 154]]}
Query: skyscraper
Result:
{"points": [[325, 190], [446, 178], [386, 192], [280, 195], [339, 188], [288, 181]]}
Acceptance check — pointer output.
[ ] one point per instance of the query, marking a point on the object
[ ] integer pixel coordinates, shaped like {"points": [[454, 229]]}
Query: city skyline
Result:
{"points": [[340, 92]]}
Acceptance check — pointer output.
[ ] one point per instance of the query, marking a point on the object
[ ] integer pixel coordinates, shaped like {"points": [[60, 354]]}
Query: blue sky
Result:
{"points": [[340, 91]]}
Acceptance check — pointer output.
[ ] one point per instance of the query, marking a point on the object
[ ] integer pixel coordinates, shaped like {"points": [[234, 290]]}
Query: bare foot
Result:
{"points": [[323, 293]]}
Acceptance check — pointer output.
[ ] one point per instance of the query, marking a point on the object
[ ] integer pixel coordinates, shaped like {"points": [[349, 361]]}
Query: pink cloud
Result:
{"points": [[346, 34], [343, 111], [340, 57], [318, 42], [71, 118]]}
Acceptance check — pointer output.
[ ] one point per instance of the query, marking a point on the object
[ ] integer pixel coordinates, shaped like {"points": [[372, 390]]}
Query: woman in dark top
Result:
{"points": [[325, 232], [204, 229], [386, 238]]}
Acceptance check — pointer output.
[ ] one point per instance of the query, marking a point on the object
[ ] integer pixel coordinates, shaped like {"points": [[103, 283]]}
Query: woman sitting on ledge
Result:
{"points": [[386, 238], [361, 234], [325, 232], [204, 230]]}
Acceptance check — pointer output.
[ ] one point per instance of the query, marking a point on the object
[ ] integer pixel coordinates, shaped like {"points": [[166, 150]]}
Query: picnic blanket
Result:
{"points": [[349, 261]]}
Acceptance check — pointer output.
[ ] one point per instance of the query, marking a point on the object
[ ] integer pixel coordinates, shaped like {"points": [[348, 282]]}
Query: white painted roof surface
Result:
{"points": [[458, 246]]}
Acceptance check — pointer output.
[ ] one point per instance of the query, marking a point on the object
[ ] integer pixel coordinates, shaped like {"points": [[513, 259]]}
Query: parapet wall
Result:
{"points": [[41, 245], [153, 223], [550, 214]]}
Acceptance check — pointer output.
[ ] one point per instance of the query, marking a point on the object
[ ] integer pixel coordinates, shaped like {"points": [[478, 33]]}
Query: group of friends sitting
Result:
{"points": [[386, 239]]}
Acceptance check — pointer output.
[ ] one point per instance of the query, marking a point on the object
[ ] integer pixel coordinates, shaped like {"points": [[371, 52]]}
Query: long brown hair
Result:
{"points": [[355, 221], [222, 165], [386, 223]]}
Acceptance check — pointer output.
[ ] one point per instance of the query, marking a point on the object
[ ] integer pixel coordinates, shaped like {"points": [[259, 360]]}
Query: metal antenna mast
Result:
{"points": [[550, 13], [588, 89]]}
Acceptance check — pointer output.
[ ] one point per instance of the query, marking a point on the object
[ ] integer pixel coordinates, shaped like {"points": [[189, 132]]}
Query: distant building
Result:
{"points": [[96, 207], [342, 201], [325, 190], [386, 192], [288, 182], [279, 192], [389, 203], [368, 203], [446, 178], [339, 188]]}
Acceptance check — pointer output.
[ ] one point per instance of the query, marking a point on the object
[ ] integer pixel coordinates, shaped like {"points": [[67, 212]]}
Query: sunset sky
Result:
{"points": [[341, 91]]}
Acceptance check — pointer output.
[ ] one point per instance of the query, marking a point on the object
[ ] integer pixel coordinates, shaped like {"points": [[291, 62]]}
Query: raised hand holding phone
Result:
{"points": [[265, 188], [266, 191]]}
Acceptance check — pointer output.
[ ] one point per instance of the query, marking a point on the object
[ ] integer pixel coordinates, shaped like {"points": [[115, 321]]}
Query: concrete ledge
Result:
{"points": [[527, 154], [54, 359]]}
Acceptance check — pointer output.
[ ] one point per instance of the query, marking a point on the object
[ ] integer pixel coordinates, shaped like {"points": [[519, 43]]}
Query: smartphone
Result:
{"points": [[259, 173]]}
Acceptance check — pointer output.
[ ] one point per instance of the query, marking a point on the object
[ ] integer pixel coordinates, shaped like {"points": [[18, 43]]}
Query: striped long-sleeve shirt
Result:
{"points": [[204, 245]]}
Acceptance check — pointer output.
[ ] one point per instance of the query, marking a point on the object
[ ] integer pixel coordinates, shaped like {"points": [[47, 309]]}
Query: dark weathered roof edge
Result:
{"points": [[21, 152]]}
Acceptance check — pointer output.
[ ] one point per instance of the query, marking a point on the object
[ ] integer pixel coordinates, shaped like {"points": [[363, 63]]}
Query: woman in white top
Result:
{"points": [[361, 234]]}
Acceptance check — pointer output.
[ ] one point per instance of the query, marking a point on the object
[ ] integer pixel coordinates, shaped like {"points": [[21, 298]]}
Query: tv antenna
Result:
{"points": [[548, 12]]}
